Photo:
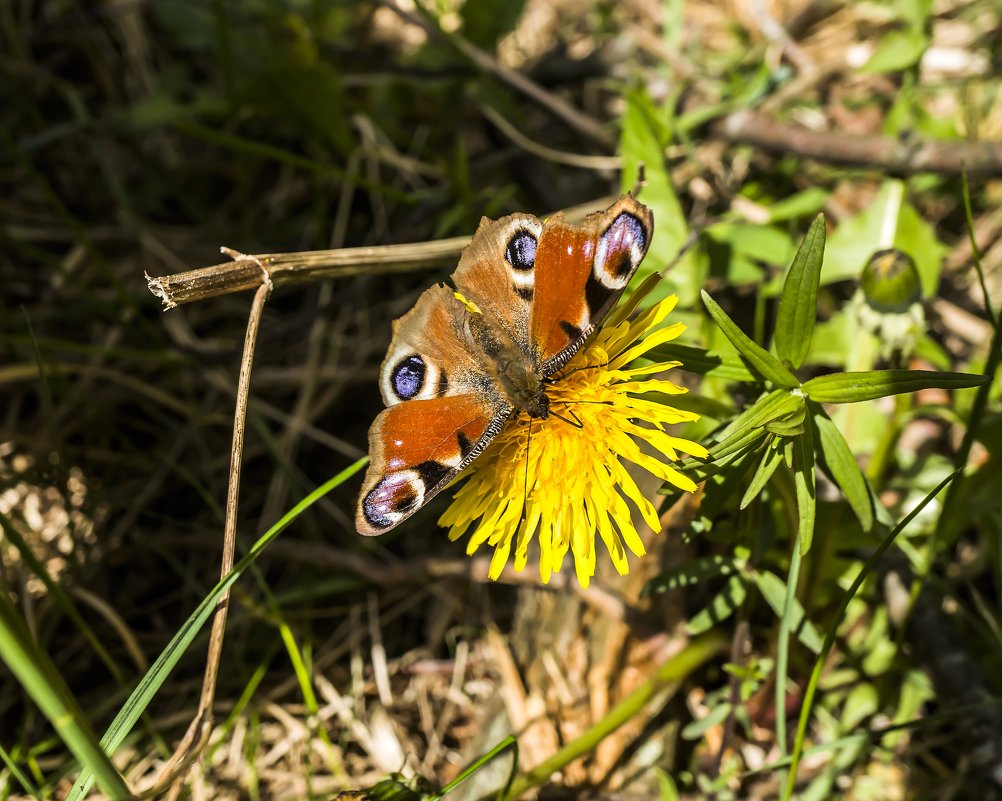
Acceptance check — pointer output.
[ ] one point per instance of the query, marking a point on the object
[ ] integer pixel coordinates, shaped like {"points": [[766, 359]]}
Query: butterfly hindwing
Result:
{"points": [[417, 448], [579, 273], [443, 410]]}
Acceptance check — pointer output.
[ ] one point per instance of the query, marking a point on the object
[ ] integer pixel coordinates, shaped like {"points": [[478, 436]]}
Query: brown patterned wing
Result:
{"points": [[579, 273], [443, 410]]}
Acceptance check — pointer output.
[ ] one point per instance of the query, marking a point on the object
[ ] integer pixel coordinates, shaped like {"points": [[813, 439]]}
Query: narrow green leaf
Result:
{"points": [[800, 204], [697, 728], [798, 305], [723, 605], [803, 478], [736, 443], [843, 467], [786, 428], [770, 461], [158, 672], [870, 384], [43, 682], [711, 363], [20, 775], [897, 51], [509, 743], [692, 572], [667, 789], [773, 406], [833, 627], [774, 591], [759, 359], [790, 424]]}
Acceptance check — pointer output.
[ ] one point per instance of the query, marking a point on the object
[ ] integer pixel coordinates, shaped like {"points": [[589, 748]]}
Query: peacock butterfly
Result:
{"points": [[530, 293]]}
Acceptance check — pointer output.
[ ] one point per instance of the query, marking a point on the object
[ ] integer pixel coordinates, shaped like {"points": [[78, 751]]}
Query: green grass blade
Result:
{"points": [[20, 775], [798, 305], [812, 684], [509, 743], [158, 672], [759, 359], [60, 597], [975, 250], [871, 384], [40, 678], [844, 468]]}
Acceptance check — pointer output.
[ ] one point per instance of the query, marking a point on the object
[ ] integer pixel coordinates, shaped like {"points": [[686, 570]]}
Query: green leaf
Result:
{"points": [[897, 51], [798, 305], [870, 384], [697, 728], [758, 358], [808, 201], [761, 243], [723, 605], [711, 363], [803, 478], [161, 668], [44, 684], [775, 405], [774, 591], [646, 134], [844, 468], [789, 425], [692, 572], [667, 789], [770, 461], [833, 627]]}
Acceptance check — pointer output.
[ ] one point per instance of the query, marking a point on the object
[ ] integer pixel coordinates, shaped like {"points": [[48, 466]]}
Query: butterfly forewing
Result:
{"points": [[580, 272]]}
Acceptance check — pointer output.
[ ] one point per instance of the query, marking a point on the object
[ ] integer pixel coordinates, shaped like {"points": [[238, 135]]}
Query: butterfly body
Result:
{"points": [[460, 364]]}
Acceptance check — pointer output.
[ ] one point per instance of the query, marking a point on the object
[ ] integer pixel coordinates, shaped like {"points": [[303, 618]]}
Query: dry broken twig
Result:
{"points": [[883, 152], [250, 271]]}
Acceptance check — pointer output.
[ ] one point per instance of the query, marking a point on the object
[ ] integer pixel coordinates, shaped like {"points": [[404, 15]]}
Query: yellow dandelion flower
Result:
{"points": [[563, 484]]}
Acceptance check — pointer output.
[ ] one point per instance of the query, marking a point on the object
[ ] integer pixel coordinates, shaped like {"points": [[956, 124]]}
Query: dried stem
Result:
{"points": [[200, 728], [901, 156], [248, 272]]}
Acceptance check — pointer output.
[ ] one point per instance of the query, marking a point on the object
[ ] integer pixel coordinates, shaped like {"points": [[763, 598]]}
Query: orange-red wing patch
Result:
{"points": [[417, 448], [563, 265], [580, 271]]}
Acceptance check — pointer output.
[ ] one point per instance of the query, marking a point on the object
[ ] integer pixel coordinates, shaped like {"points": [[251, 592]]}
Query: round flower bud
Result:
{"points": [[890, 282]]}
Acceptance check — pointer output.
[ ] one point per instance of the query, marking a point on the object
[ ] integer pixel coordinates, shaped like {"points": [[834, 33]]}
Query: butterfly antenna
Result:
{"points": [[641, 181], [575, 422]]}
